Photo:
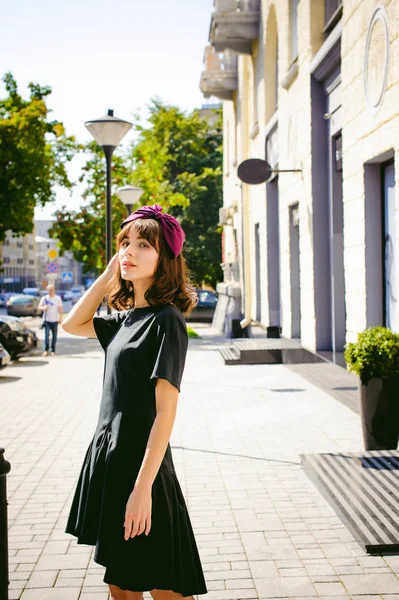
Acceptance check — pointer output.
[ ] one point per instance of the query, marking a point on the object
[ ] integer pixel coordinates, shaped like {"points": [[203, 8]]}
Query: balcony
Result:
{"points": [[235, 25], [220, 77]]}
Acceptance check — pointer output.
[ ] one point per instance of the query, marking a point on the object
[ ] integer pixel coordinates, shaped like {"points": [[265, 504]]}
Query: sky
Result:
{"points": [[97, 55]]}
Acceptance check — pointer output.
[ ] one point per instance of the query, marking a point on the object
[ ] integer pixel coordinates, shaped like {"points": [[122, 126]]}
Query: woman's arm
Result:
{"points": [[138, 508], [79, 321], [166, 397]]}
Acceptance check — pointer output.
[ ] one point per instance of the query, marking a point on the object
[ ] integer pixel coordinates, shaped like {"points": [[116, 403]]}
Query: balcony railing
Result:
{"points": [[235, 25], [220, 77]]}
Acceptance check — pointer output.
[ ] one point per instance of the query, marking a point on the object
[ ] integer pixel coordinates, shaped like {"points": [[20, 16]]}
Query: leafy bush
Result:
{"points": [[374, 355]]}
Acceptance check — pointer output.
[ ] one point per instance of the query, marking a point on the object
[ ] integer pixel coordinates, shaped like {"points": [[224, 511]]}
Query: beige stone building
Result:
{"points": [[18, 257], [311, 86], [25, 258]]}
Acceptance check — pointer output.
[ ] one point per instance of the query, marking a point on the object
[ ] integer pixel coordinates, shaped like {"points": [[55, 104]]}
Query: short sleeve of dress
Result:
{"points": [[171, 347], [106, 327]]}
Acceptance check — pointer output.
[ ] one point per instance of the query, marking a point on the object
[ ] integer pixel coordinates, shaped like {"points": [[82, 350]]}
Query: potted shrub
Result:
{"points": [[375, 359]]}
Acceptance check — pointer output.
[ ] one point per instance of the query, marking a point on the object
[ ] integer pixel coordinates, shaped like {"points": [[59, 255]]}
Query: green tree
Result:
{"points": [[33, 155], [177, 161], [83, 231]]}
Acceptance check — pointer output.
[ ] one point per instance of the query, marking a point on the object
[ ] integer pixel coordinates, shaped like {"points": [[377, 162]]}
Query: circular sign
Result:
{"points": [[52, 267], [376, 60], [254, 171]]}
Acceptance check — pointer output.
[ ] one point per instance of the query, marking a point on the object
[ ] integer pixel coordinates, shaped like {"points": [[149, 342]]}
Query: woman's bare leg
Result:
{"points": [[118, 594], [168, 595]]}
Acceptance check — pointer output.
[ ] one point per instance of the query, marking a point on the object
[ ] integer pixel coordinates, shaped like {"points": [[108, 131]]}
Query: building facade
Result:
{"points": [[65, 263], [312, 87], [18, 257], [25, 260]]}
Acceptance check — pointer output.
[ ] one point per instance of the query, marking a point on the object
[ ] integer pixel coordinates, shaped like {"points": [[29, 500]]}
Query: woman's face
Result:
{"points": [[137, 258]]}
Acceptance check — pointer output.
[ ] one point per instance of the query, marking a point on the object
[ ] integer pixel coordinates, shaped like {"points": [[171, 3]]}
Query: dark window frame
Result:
{"points": [[332, 14]]}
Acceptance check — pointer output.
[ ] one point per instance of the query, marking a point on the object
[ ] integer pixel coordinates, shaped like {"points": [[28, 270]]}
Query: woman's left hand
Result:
{"points": [[138, 513]]}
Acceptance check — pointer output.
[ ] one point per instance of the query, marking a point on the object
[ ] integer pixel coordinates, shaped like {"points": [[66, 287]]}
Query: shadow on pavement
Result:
{"points": [[23, 361], [8, 379], [218, 452], [72, 347]]}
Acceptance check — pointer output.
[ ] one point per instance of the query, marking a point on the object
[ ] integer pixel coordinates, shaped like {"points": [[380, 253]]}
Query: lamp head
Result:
{"points": [[108, 130]]}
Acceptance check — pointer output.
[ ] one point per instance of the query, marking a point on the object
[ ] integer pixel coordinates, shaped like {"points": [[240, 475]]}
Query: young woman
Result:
{"points": [[128, 502]]}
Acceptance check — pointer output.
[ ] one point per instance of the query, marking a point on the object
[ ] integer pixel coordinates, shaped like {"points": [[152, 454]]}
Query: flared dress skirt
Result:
{"points": [[141, 346]]}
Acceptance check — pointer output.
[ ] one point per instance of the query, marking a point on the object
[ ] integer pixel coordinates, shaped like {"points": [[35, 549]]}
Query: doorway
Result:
{"points": [[258, 312], [295, 273], [328, 219], [389, 245], [338, 309], [273, 257]]}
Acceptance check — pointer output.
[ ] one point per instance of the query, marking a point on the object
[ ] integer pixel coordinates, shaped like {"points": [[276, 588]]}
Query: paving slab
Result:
{"points": [[262, 528]]}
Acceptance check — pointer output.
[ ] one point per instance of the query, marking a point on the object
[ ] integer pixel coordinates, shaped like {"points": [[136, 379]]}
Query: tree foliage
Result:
{"points": [[83, 231], [177, 161], [33, 155]]}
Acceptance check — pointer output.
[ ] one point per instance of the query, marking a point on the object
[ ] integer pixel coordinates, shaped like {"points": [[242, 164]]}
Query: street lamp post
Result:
{"points": [[108, 131], [130, 195]]}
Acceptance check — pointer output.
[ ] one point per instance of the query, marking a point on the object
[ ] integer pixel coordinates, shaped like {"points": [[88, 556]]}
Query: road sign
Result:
{"points": [[52, 267], [52, 276], [52, 254], [67, 276]]}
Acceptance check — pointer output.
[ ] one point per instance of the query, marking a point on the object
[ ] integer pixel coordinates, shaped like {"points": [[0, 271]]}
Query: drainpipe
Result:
{"points": [[246, 321]]}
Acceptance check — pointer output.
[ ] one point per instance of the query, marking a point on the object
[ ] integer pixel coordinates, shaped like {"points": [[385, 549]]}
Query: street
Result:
{"points": [[262, 529]]}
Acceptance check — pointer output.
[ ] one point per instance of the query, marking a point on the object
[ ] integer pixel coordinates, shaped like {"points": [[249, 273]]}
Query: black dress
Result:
{"points": [[140, 346]]}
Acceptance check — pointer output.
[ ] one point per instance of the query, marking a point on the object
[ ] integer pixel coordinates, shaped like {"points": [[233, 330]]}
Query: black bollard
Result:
{"points": [[4, 582]]}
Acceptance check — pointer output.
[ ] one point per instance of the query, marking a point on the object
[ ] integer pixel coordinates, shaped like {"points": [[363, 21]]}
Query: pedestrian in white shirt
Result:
{"points": [[51, 305]]}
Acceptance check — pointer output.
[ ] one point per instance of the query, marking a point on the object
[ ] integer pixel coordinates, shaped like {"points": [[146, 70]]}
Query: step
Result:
{"points": [[362, 488], [230, 355]]}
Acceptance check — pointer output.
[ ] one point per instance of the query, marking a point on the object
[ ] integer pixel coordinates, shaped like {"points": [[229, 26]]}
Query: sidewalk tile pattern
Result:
{"points": [[262, 528]]}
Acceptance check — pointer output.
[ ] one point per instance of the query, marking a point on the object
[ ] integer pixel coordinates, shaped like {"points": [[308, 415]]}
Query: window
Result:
{"points": [[332, 14], [19, 261], [6, 260], [255, 79], [30, 246], [227, 148], [31, 262], [277, 76], [294, 29], [271, 75]]}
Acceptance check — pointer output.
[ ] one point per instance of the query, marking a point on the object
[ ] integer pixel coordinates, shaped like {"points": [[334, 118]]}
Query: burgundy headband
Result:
{"points": [[172, 231]]}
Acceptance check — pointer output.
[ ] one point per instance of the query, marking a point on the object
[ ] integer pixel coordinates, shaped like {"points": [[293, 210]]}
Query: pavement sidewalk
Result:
{"points": [[262, 529]]}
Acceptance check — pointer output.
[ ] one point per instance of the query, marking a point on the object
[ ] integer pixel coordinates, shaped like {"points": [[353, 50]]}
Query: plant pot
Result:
{"points": [[379, 410]]}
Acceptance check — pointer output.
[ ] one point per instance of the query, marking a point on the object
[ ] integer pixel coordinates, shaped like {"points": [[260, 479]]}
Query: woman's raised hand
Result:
{"points": [[112, 265]]}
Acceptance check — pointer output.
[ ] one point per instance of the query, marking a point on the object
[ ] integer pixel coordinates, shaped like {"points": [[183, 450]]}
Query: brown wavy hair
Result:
{"points": [[172, 283]]}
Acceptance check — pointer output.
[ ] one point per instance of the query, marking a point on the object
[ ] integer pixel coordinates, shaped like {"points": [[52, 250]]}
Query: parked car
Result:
{"points": [[31, 291], [76, 292], [15, 336], [22, 305], [3, 299], [61, 294], [206, 306], [4, 357]]}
